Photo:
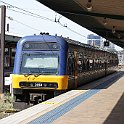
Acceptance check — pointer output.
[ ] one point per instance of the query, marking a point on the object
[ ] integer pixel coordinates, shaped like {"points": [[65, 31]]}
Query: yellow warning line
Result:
{"points": [[50, 103]]}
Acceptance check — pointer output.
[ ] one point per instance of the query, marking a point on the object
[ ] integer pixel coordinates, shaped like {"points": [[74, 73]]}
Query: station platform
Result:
{"points": [[99, 102]]}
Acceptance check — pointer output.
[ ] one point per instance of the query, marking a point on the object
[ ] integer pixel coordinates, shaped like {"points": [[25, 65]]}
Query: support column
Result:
{"points": [[2, 40]]}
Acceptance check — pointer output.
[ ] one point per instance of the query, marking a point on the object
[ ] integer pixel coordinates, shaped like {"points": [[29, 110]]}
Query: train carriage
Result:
{"points": [[49, 65]]}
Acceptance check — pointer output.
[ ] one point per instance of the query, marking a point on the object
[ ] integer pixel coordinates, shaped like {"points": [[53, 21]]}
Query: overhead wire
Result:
{"points": [[71, 30], [27, 11], [38, 16], [21, 12], [23, 24]]}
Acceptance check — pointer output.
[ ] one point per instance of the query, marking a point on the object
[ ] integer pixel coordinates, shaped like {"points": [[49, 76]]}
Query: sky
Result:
{"points": [[41, 19]]}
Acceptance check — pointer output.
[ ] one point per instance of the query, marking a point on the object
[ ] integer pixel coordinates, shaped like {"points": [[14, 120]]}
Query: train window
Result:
{"points": [[102, 64], [39, 63], [90, 64], [83, 66], [87, 65], [41, 46], [96, 64], [79, 64], [71, 63], [70, 66]]}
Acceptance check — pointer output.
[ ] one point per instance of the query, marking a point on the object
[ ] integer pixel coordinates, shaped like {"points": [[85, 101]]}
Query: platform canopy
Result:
{"points": [[104, 17]]}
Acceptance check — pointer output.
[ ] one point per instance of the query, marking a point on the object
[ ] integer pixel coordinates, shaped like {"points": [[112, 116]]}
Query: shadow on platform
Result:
{"points": [[117, 114]]}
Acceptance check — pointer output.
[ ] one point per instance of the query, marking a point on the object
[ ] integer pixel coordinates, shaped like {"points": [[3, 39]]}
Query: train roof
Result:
{"points": [[87, 45], [70, 41]]}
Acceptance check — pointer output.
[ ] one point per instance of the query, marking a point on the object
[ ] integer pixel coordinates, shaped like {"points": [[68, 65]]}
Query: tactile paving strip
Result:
{"points": [[52, 115]]}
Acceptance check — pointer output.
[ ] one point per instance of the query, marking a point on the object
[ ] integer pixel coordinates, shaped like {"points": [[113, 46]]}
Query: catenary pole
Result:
{"points": [[2, 41]]}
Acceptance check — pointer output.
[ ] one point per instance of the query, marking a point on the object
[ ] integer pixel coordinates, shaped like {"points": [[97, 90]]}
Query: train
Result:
{"points": [[46, 66]]}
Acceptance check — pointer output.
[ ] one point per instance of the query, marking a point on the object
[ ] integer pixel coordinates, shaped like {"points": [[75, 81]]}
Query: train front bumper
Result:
{"points": [[40, 82]]}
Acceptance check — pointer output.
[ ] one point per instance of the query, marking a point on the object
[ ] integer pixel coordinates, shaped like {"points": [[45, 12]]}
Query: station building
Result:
{"points": [[98, 41], [121, 57], [10, 49]]}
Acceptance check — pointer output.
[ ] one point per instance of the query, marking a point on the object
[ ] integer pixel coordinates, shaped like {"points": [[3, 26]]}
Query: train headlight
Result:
{"points": [[55, 85], [54, 46], [45, 85]]}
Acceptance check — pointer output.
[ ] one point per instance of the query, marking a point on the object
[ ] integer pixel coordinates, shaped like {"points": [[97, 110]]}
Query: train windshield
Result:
{"points": [[44, 64]]}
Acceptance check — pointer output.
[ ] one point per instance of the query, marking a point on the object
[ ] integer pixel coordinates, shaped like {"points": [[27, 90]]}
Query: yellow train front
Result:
{"points": [[46, 66], [39, 69]]}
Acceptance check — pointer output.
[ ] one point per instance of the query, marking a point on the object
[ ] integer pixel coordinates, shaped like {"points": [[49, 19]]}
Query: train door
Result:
{"points": [[72, 69], [75, 67]]}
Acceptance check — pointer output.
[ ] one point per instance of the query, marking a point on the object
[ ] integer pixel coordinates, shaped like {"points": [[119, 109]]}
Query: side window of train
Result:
{"points": [[87, 65], [91, 62], [102, 62], [83, 66], [96, 64], [70, 69], [79, 62]]}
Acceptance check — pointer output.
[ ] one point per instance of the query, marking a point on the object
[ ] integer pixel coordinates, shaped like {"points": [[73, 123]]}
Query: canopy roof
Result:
{"points": [[106, 18]]}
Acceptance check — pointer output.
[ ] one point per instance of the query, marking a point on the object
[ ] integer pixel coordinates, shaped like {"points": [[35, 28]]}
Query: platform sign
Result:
{"points": [[2, 40], [106, 43]]}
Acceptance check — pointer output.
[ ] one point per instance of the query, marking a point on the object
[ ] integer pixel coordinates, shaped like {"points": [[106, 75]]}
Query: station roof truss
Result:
{"points": [[104, 17], [11, 39]]}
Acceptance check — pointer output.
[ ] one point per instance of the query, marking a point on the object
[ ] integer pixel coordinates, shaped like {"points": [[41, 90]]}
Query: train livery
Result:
{"points": [[46, 66]]}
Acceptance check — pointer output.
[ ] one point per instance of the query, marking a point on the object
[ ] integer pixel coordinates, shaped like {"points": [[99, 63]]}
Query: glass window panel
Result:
{"points": [[39, 63]]}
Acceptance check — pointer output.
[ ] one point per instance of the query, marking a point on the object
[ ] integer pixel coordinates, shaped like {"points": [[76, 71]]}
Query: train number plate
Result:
{"points": [[38, 84]]}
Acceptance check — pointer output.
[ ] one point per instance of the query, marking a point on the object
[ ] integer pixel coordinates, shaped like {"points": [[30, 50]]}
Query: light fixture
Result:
{"points": [[10, 18], [8, 27], [113, 29], [106, 43], [105, 21], [89, 5], [55, 19], [65, 25]]}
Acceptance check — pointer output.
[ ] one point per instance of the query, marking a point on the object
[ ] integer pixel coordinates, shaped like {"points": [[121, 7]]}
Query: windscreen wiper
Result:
{"points": [[36, 75], [27, 74]]}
